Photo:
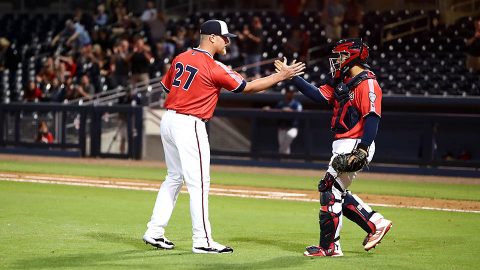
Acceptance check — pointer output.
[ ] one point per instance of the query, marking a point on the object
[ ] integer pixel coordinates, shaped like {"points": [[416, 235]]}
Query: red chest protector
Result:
{"points": [[345, 114]]}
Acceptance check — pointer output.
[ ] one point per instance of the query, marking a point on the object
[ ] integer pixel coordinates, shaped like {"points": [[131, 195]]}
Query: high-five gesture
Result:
{"points": [[289, 71], [294, 69], [284, 72]]}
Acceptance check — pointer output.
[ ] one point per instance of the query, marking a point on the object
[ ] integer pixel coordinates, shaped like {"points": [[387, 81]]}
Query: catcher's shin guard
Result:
{"points": [[330, 217], [328, 182], [358, 211]]}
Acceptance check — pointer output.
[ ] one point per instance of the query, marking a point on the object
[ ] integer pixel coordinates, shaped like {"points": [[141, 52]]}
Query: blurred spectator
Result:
{"points": [[102, 61], [180, 40], [86, 85], [162, 57], [4, 45], [69, 65], [473, 48], [65, 68], [32, 92], [158, 27], [54, 91], [192, 37], [89, 64], [448, 156], [140, 61], [9, 57], [232, 58], [288, 128], [124, 23], [252, 41], [74, 35], [464, 155], [292, 9], [85, 19], [297, 45], [333, 12], [353, 18], [119, 65], [102, 38], [129, 99], [47, 72], [43, 134], [119, 13], [74, 91], [101, 18], [150, 12]]}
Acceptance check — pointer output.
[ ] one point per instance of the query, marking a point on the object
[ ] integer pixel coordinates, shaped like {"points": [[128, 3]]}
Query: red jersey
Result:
{"points": [[45, 137], [366, 98], [194, 81]]}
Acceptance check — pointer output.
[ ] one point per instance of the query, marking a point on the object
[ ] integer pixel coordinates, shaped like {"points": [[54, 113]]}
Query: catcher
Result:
{"points": [[356, 99]]}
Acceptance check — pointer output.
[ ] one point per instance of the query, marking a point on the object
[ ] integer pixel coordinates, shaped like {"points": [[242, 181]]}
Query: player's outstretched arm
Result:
{"points": [[303, 86], [283, 73]]}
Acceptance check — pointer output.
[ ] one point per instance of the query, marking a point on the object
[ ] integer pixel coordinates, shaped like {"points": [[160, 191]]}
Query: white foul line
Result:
{"points": [[240, 193]]}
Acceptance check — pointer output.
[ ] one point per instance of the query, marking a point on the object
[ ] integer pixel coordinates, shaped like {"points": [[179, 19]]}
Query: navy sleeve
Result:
{"points": [[307, 89], [241, 87], [370, 129]]}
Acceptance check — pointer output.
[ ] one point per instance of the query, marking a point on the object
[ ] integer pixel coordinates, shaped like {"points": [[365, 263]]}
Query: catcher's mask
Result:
{"points": [[346, 54]]}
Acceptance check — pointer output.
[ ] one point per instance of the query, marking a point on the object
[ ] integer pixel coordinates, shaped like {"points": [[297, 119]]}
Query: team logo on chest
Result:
{"points": [[351, 95]]}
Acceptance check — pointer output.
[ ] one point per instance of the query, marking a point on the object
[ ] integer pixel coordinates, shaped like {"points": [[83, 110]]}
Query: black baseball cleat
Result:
{"points": [[214, 248], [161, 242]]}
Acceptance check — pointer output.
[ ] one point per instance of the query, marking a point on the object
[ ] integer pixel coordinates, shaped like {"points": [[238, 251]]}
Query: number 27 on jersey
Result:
{"points": [[179, 70]]}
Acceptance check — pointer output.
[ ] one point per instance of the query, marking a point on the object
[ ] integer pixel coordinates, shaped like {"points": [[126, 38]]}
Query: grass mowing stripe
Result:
{"points": [[64, 227], [243, 193], [361, 185]]}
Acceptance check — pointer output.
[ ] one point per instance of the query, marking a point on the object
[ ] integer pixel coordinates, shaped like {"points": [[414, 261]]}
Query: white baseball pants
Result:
{"points": [[187, 155], [285, 139], [345, 146]]}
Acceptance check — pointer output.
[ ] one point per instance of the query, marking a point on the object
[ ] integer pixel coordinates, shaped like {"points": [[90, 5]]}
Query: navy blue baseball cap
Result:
{"points": [[215, 27]]}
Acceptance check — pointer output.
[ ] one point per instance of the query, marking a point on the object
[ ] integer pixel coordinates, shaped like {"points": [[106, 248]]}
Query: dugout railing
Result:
{"points": [[405, 138], [78, 130], [419, 139]]}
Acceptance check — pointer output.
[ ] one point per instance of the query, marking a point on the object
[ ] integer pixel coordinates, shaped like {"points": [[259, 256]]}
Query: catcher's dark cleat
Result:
{"points": [[318, 251], [161, 242]]}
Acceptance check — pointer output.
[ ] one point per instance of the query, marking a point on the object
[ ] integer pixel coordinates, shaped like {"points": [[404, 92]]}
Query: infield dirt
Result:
{"points": [[306, 194]]}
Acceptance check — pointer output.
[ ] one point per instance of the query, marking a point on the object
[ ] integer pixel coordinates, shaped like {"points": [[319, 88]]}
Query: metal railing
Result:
{"points": [[419, 138], [311, 52], [466, 6], [77, 128], [387, 35]]}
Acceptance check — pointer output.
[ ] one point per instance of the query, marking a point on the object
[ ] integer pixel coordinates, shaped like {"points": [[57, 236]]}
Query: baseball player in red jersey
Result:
{"points": [[356, 99], [193, 84]]}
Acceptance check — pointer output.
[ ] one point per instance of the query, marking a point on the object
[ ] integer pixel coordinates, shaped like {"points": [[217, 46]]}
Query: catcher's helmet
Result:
{"points": [[346, 54]]}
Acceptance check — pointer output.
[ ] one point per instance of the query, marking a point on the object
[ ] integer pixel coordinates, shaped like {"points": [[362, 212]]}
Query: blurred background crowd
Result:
{"points": [[102, 45]]}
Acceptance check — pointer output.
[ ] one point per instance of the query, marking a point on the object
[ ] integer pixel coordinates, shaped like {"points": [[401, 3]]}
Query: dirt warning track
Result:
{"points": [[250, 192]]}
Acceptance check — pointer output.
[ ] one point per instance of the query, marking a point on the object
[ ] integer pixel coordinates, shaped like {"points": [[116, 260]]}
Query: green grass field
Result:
{"points": [[66, 227], [360, 185]]}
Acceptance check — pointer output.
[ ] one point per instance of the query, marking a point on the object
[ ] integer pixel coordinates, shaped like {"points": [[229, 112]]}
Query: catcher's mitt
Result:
{"points": [[352, 162]]}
